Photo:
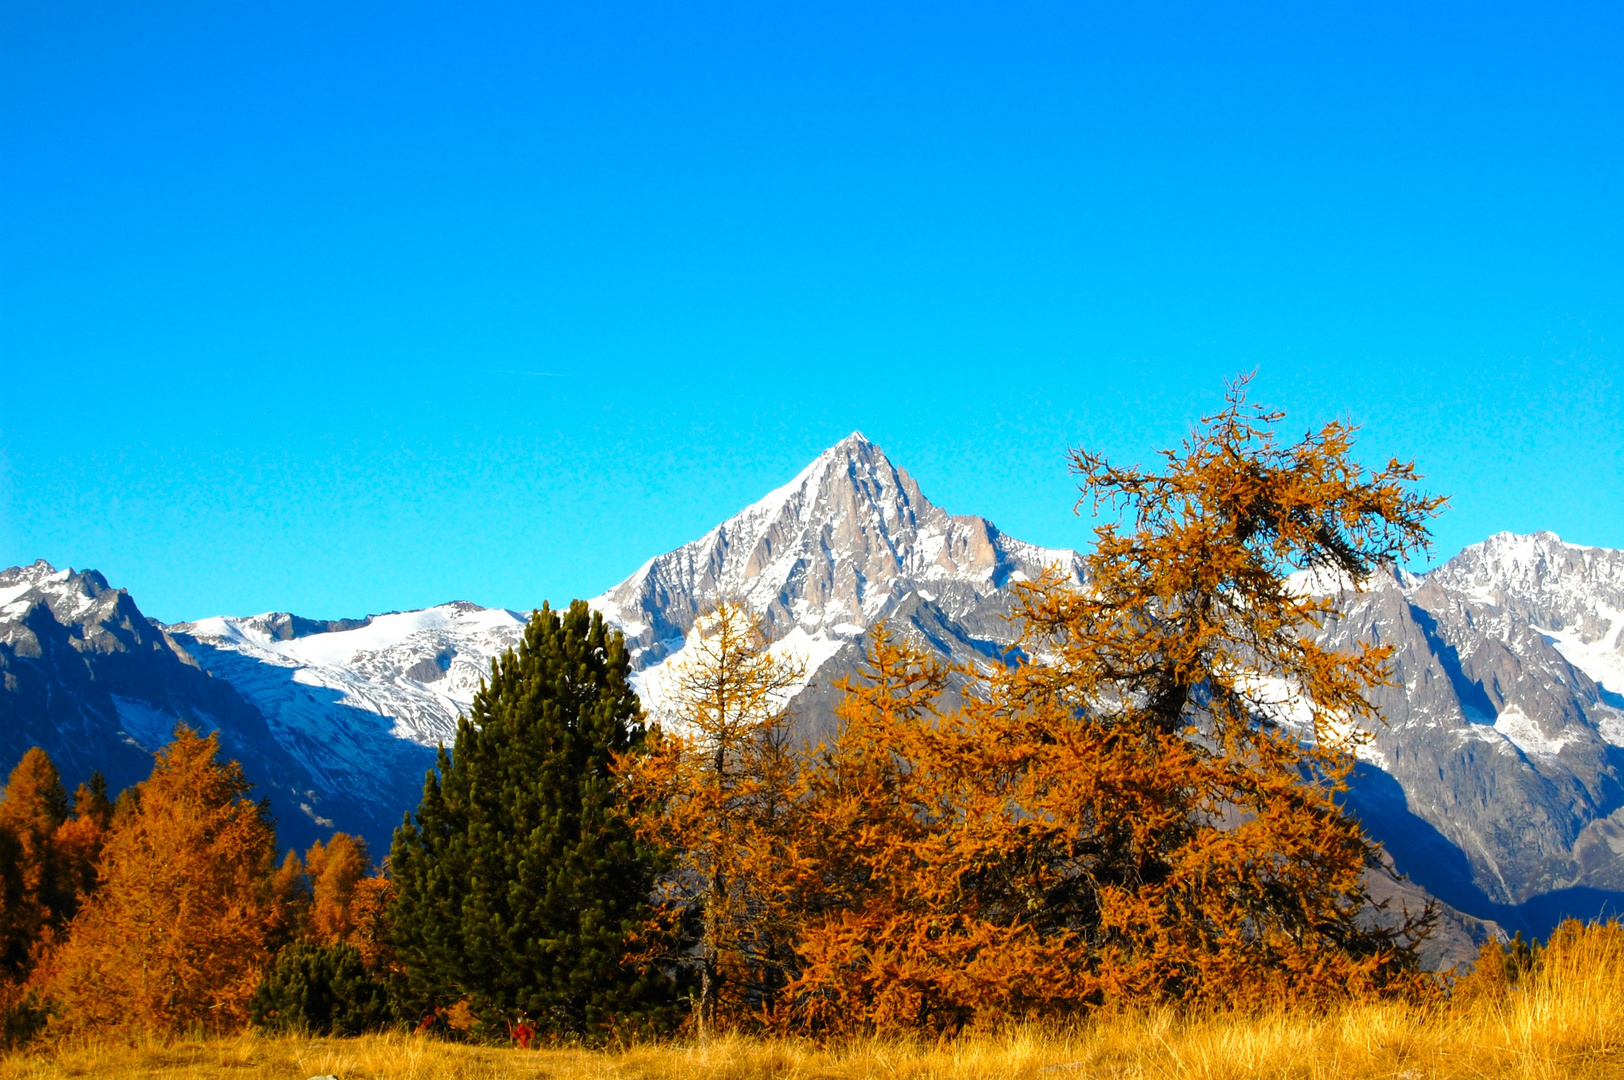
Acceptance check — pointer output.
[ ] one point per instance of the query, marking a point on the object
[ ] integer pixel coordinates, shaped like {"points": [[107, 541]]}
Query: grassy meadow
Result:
{"points": [[1566, 1021]]}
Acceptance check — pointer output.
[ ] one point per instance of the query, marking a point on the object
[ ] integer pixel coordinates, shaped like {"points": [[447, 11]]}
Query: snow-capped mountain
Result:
{"points": [[353, 706], [84, 674], [419, 669], [1497, 784], [358, 702], [849, 542], [1572, 596], [1498, 781]]}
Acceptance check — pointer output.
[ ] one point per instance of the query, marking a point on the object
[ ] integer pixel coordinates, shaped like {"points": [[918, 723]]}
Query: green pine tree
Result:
{"points": [[520, 884]]}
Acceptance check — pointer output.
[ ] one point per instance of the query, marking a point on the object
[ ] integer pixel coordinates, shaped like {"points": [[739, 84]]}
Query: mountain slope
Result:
{"points": [[1498, 782], [84, 674], [358, 704]]}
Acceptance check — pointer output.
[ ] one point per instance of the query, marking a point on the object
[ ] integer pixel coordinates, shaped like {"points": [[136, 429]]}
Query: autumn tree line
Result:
{"points": [[1138, 803]]}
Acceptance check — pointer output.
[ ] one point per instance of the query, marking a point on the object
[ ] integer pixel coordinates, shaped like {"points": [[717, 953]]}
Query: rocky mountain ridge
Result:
{"points": [[87, 676], [1497, 783], [1498, 780]]}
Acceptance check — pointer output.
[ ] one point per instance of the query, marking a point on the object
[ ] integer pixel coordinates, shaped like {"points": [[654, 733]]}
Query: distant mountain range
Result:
{"points": [[1496, 784]]}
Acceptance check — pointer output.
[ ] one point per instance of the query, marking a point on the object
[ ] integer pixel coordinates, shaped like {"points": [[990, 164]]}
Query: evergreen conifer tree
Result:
{"points": [[520, 885]]}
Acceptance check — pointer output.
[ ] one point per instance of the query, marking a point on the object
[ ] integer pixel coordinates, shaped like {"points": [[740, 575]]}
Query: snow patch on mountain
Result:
{"points": [[1283, 702], [1321, 581], [151, 729], [1525, 734], [1610, 723], [419, 669], [1598, 651], [807, 650], [381, 634]]}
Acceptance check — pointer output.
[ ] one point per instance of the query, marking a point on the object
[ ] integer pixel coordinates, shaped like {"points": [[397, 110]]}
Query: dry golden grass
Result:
{"points": [[1568, 1023]]}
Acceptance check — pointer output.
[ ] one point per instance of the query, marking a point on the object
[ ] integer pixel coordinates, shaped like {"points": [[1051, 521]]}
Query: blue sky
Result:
{"points": [[340, 308]]}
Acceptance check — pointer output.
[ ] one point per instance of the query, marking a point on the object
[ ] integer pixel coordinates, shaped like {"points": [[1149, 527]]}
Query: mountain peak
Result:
{"points": [[855, 449], [855, 446], [1509, 554], [44, 582], [836, 549], [36, 572], [1542, 581]]}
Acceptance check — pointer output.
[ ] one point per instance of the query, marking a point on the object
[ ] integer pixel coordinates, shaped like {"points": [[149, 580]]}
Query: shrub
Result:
{"points": [[322, 989]]}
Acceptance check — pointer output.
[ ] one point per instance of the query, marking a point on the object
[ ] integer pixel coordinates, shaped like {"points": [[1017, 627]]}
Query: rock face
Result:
{"points": [[1497, 784]]}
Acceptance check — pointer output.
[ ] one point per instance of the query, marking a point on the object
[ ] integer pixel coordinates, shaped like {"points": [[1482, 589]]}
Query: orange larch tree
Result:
{"points": [[336, 869], [902, 815], [369, 918], [1129, 811], [716, 783], [176, 932], [39, 893], [79, 839], [349, 900], [45, 871], [1201, 851]]}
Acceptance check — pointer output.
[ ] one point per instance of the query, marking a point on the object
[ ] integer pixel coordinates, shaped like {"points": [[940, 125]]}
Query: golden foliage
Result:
{"points": [[369, 921], [1214, 859], [336, 869], [289, 903], [1120, 815], [909, 820], [47, 864], [347, 904], [37, 879], [176, 933], [717, 781], [78, 842]]}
